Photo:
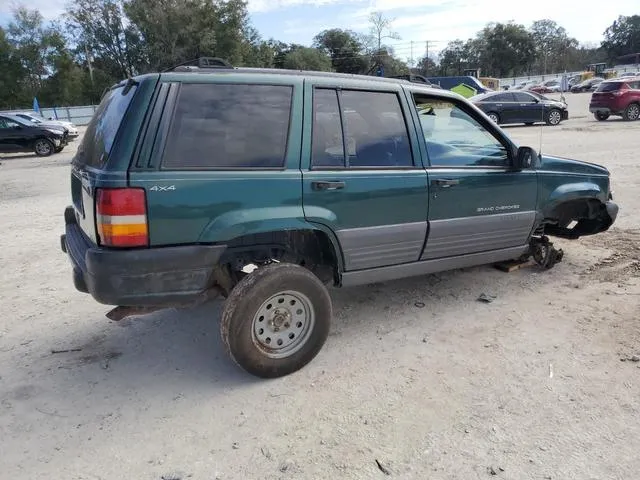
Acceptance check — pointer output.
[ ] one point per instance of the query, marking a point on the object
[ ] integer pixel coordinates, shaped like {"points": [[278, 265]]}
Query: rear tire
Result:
{"points": [[59, 149], [43, 147], [276, 320], [632, 112], [601, 117], [494, 116], [554, 117]]}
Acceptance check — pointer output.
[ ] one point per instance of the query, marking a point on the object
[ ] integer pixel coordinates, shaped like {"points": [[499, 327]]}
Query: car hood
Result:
{"points": [[54, 125], [551, 163]]}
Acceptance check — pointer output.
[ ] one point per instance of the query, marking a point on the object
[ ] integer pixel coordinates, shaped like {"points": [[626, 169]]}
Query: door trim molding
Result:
{"points": [[394, 272]]}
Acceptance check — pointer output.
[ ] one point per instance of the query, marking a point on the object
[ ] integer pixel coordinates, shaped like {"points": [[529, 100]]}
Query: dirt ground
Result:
{"points": [[417, 380]]}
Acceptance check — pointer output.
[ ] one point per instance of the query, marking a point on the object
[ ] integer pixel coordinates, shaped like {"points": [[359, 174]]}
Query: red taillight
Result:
{"points": [[621, 90], [121, 217]]}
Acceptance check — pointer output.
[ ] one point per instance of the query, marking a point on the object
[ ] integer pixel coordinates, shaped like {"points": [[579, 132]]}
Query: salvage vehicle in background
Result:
{"points": [[587, 85], [18, 135], [72, 130], [269, 186]]}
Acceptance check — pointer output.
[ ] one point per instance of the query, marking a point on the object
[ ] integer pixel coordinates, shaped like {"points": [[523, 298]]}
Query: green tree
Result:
{"points": [[622, 37], [552, 45], [453, 58], [426, 66], [305, 58], [13, 76], [345, 49], [504, 49], [100, 29]]}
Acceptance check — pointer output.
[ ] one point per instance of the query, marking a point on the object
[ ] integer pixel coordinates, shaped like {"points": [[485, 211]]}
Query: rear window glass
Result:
{"points": [[229, 126], [101, 131], [609, 86]]}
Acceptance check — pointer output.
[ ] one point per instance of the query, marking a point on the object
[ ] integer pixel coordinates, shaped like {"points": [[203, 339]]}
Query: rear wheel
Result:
{"points": [[632, 112], [554, 117], [43, 147], [601, 116], [276, 320], [494, 116]]}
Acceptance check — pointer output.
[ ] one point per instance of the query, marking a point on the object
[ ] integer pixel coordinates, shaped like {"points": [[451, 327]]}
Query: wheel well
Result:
{"points": [[576, 218], [311, 249]]}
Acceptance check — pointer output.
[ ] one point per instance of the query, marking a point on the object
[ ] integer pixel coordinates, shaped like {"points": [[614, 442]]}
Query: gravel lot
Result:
{"points": [[416, 375]]}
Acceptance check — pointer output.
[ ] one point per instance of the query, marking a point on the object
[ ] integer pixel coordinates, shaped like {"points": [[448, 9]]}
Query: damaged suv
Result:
{"points": [[269, 186]]}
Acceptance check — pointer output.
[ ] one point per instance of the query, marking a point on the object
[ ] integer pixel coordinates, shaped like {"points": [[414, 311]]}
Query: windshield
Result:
{"points": [[103, 128], [19, 120]]}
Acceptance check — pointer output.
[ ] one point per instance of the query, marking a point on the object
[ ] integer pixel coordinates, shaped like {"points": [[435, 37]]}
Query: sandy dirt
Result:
{"points": [[418, 379]]}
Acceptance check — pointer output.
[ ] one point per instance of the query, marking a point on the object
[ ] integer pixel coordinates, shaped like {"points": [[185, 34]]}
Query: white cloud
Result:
{"points": [[50, 9], [260, 6]]}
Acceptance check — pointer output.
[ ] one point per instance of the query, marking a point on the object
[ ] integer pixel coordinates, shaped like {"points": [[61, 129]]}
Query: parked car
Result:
{"points": [[620, 97], [629, 74], [587, 86], [70, 127], [521, 107], [19, 135], [525, 85], [267, 185]]}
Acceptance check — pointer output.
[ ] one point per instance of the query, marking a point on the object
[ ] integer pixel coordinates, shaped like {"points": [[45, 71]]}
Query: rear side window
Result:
{"points": [[101, 131], [609, 86], [229, 126]]}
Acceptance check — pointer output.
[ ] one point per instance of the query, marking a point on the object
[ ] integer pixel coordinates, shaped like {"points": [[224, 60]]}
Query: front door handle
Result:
{"points": [[445, 182], [322, 185]]}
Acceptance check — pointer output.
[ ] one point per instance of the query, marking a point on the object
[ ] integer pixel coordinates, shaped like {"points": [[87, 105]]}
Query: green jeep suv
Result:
{"points": [[268, 186]]}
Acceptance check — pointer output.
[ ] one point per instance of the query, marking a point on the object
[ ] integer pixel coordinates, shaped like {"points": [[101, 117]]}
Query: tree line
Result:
{"points": [[95, 43]]}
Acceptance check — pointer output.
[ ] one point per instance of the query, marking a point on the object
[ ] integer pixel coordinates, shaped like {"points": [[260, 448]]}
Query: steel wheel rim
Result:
{"points": [[634, 112], [554, 117], [42, 147], [283, 324], [493, 117]]}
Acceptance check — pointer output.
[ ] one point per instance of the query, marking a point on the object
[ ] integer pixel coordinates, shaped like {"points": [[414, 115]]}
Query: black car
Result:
{"points": [[521, 107], [588, 85], [19, 135]]}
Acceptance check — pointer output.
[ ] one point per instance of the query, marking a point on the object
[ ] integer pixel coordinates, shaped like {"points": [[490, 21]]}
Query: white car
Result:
{"points": [[70, 127]]}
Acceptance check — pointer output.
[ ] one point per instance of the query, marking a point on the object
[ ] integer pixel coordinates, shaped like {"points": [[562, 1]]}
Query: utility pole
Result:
{"points": [[411, 60], [86, 51]]}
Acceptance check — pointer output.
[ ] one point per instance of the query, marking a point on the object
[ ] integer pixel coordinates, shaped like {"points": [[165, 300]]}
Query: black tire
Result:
{"points": [[601, 116], [43, 147], [241, 326], [632, 112], [495, 117], [554, 117], [59, 149]]}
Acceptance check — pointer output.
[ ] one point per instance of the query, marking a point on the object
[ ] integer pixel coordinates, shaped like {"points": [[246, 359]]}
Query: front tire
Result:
{"points": [[600, 116], [276, 320], [632, 112], [554, 117], [43, 147]]}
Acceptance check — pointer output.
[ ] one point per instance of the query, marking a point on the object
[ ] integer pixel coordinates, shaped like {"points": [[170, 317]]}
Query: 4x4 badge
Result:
{"points": [[162, 188]]}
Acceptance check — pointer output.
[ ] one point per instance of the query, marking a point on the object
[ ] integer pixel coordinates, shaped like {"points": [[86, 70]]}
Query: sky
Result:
{"points": [[416, 21]]}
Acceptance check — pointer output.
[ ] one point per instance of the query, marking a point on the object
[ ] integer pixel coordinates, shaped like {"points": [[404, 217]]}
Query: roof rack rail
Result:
{"points": [[199, 63]]}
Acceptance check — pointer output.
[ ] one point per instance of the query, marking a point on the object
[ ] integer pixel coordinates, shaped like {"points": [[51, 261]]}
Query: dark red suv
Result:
{"points": [[619, 96]]}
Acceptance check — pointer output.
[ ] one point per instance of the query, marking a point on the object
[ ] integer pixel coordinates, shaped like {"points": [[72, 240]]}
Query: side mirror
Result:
{"points": [[525, 157]]}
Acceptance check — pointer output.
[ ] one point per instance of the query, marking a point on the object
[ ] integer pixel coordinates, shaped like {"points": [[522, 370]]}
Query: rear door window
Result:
{"points": [[103, 128], [229, 126]]}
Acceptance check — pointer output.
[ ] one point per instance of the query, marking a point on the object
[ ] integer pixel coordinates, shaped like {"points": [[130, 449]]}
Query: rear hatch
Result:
{"points": [[607, 92], [90, 166]]}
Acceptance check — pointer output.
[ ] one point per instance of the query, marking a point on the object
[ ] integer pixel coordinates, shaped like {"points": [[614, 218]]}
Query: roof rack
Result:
{"points": [[199, 63]]}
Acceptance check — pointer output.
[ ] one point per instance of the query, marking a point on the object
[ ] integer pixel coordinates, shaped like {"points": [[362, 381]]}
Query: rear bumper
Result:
{"points": [[565, 115], [603, 110], [167, 276]]}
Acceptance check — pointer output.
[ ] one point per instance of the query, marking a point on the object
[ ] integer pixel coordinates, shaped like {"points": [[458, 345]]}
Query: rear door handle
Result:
{"points": [[322, 185], [445, 182]]}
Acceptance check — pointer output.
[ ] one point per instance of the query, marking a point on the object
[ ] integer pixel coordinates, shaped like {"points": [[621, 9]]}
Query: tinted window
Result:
{"points": [[454, 138], [229, 126], [500, 97], [6, 123], [327, 146], [523, 97], [609, 86], [375, 130], [101, 131]]}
